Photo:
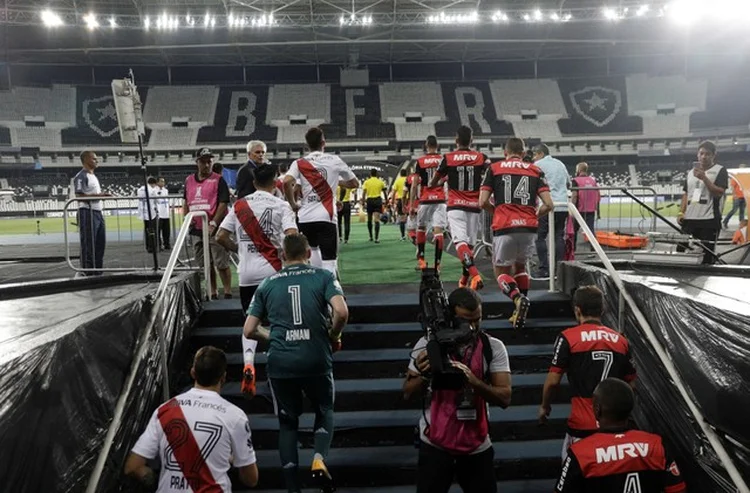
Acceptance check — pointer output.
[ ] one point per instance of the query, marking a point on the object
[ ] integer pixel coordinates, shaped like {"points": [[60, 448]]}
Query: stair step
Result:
{"points": [[386, 393], [527, 486], [380, 363], [400, 307], [382, 428], [396, 465], [375, 336]]}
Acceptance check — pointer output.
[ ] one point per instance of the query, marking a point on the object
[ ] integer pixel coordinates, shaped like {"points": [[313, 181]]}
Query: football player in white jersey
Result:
{"points": [[197, 435], [260, 221], [318, 174]]}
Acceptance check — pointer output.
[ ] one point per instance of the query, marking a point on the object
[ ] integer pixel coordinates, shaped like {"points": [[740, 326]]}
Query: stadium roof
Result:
{"points": [[269, 32]]}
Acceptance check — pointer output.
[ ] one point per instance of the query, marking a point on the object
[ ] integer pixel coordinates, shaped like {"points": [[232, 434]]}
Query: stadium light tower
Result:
{"points": [[91, 21], [51, 19]]}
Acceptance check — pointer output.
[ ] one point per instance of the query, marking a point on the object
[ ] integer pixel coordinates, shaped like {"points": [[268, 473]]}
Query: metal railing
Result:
{"points": [[127, 229], [141, 351], [625, 300]]}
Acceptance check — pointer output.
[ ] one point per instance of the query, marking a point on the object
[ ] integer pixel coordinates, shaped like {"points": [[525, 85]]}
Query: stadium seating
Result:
{"points": [[4, 136], [54, 105], [648, 95], [196, 103], [173, 138], [42, 137], [413, 132], [511, 97], [597, 106], [544, 129], [471, 104], [399, 98], [312, 101], [727, 105], [355, 115], [240, 116], [291, 134]]}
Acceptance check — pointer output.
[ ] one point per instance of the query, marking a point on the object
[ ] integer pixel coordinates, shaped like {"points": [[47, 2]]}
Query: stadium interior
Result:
{"points": [[632, 88]]}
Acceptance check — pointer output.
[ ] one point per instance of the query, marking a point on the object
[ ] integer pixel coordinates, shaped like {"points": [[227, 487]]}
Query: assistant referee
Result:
{"points": [[374, 193]]}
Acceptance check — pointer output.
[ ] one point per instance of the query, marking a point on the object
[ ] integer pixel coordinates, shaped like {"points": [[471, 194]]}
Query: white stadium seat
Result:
{"points": [[173, 138], [312, 101], [55, 105], [196, 103], [42, 137], [513, 96], [399, 98]]}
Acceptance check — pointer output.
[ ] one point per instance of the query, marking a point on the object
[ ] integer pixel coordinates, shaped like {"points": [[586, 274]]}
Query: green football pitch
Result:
{"points": [[48, 225]]}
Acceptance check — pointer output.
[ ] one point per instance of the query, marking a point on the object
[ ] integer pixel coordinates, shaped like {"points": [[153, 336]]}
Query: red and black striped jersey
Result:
{"points": [[464, 170], [515, 186], [629, 461], [589, 353], [426, 168]]}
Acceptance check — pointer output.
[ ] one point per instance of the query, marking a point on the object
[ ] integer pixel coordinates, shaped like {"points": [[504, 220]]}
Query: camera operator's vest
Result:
{"points": [[445, 430]]}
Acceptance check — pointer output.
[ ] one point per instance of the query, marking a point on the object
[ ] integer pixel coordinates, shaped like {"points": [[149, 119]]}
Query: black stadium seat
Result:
{"points": [[470, 103], [96, 120], [597, 106], [727, 105], [363, 108], [240, 116], [4, 136]]}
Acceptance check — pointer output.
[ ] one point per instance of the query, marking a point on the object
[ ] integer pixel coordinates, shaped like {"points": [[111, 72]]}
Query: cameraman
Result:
{"points": [[454, 429]]}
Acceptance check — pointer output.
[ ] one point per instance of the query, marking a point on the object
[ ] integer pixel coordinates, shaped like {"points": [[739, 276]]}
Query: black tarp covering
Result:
{"points": [[63, 361], [703, 323]]}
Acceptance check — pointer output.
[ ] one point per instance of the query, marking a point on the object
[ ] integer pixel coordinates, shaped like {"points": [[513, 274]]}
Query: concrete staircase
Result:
{"points": [[373, 446]]}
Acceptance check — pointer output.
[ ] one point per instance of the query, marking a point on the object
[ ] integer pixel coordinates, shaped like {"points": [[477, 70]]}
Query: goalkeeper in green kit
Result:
{"points": [[299, 302]]}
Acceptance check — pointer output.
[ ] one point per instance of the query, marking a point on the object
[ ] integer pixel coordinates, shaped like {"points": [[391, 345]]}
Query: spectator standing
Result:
{"points": [[454, 428], [148, 212], [703, 199], [91, 228], [738, 202], [198, 435], [559, 183], [297, 302], [162, 206], [586, 201], [207, 191], [256, 154]]}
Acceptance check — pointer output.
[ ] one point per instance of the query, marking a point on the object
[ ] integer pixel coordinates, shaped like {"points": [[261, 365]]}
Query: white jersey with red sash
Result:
{"points": [[318, 174], [195, 434], [258, 221]]}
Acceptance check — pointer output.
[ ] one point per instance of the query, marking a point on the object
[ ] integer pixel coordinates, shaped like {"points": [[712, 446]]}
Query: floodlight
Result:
{"points": [[146, 23], [610, 14], [90, 20], [499, 16], [567, 17], [526, 17], [51, 19], [555, 16], [112, 22], [537, 15]]}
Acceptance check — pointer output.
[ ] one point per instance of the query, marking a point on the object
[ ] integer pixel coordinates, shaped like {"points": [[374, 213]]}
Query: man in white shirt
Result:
{"points": [[259, 221], [558, 180], [318, 174], [703, 199], [162, 206], [91, 226], [197, 435], [148, 212]]}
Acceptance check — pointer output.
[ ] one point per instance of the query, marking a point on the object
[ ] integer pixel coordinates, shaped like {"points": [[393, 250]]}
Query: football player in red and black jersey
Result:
{"points": [[588, 353], [431, 202], [515, 186], [464, 169], [617, 458]]}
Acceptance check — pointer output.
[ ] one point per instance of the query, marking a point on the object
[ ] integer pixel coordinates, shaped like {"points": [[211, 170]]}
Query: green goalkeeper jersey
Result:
{"points": [[295, 301]]}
